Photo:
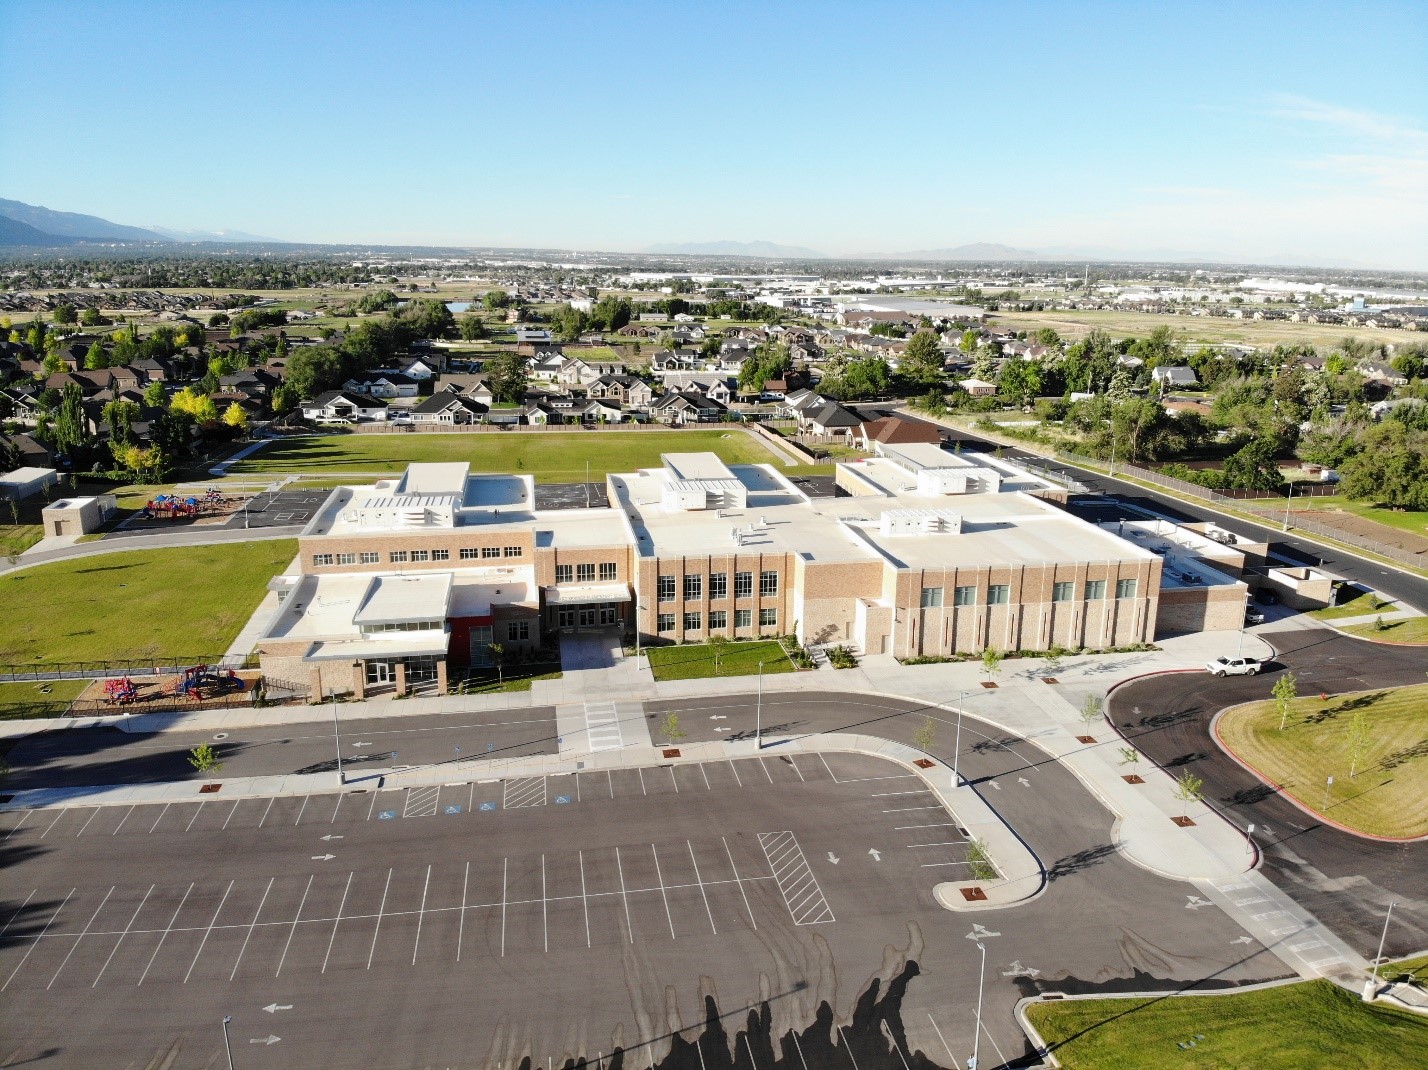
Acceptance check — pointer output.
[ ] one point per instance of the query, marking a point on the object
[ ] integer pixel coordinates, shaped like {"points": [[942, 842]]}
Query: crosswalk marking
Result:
{"points": [[602, 726]]}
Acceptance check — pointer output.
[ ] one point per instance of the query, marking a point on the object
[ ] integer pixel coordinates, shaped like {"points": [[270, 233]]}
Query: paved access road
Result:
{"points": [[1346, 881], [91, 756], [475, 922]]}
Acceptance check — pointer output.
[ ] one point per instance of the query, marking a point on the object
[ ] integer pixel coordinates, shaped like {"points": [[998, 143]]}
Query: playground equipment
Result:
{"points": [[170, 506], [120, 692], [203, 681]]}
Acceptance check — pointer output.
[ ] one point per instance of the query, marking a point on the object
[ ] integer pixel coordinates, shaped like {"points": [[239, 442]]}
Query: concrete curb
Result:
{"points": [[1283, 792]]}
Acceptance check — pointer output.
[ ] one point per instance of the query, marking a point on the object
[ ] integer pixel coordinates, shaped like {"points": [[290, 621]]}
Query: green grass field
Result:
{"points": [[1402, 519], [1303, 1026], [1360, 605], [1077, 323], [698, 661], [1410, 631], [1412, 971], [1385, 797], [191, 601], [48, 699], [550, 456]]}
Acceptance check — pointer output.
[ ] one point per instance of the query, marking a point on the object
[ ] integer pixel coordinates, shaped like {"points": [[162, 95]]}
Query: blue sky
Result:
{"points": [[1233, 130]]}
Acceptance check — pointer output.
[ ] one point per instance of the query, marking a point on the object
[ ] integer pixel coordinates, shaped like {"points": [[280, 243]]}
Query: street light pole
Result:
{"points": [[1372, 989], [977, 1039], [1287, 500], [957, 747], [759, 715], [337, 738], [227, 1047]]}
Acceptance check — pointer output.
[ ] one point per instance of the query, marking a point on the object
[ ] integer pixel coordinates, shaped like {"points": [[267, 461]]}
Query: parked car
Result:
{"points": [[1223, 666], [1254, 616], [1267, 596]]}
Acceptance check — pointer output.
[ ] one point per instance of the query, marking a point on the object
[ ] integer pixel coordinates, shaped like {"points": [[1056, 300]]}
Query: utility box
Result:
{"points": [[78, 516]]}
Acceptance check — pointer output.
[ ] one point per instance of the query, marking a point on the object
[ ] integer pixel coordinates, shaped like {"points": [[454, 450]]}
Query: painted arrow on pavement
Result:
{"points": [[323, 858], [1023, 781], [877, 855], [718, 717], [269, 1039], [361, 744], [329, 836], [721, 728], [994, 784], [833, 858], [273, 1008], [1243, 940]]}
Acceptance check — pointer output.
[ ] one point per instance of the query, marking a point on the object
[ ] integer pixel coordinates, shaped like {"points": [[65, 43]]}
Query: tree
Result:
{"points": [[1188, 789], [1020, 381], [669, 728], [925, 734], [1055, 660], [1360, 741], [95, 357], [1284, 690], [472, 328], [992, 661], [197, 405], [236, 418], [1253, 467], [979, 861], [921, 361], [71, 428], [494, 299], [1091, 711], [506, 376], [120, 415], [1129, 756], [498, 655], [65, 313], [154, 395], [204, 758]]}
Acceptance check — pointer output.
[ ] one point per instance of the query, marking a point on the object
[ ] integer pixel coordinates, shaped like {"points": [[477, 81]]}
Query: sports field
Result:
{"points": [[1380, 794], [549, 456], [1289, 1027], [188, 601]]}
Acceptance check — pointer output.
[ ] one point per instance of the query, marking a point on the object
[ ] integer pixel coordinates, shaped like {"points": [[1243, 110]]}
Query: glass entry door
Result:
{"points": [[380, 672]]}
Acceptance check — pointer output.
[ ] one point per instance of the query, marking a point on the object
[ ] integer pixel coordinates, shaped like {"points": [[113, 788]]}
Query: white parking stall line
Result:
{"points": [[80, 937], [124, 819], [336, 922], [909, 809], [544, 908], [201, 804], [268, 810], [735, 870], [461, 918], [64, 811], [505, 871], [293, 931], [301, 810], [935, 865], [18, 911], [737, 779], [421, 914], [766, 770], [914, 791], [643, 789], [251, 926], [584, 899], [378, 927], [659, 875], [796, 883], [81, 827], [629, 925], [21, 823], [934, 825], [700, 881], [372, 806], [421, 802], [797, 770], [168, 929], [236, 803], [705, 773], [133, 918], [939, 843], [673, 779], [38, 938]]}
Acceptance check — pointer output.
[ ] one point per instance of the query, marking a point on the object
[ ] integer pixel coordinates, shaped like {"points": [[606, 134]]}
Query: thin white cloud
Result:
{"points": [[1371, 126]]}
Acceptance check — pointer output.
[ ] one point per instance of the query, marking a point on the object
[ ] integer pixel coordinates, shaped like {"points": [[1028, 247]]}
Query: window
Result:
{"points": [[1063, 591], [518, 629], [468, 553], [718, 620], [718, 585], [931, 597], [511, 551], [964, 596], [665, 622], [743, 584], [608, 571], [346, 559], [693, 587], [1125, 588], [768, 618], [441, 555], [743, 618], [490, 551], [693, 622], [1095, 589], [322, 559], [397, 557], [421, 555], [768, 583], [666, 588], [585, 573], [998, 594], [564, 573], [369, 557]]}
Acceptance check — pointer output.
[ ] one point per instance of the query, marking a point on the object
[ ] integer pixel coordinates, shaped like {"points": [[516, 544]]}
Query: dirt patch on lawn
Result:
{"points": [[1368, 529]]}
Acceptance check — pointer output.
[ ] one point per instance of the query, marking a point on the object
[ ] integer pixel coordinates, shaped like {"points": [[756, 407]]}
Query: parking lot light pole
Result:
{"points": [[1371, 989], [957, 746], [227, 1047], [337, 738], [759, 712], [977, 1038]]}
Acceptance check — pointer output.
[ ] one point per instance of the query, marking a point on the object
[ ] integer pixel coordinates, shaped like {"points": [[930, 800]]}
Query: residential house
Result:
{"points": [[579, 373], [626, 390], [536, 336], [545, 364], [1174, 376], [978, 388], [686, 407], [383, 385], [829, 420], [1378, 372], [447, 407], [711, 386], [895, 430], [674, 361], [420, 369], [344, 405]]}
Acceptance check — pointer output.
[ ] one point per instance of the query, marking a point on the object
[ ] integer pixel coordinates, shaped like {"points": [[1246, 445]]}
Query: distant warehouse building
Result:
{"points": [[410, 581]]}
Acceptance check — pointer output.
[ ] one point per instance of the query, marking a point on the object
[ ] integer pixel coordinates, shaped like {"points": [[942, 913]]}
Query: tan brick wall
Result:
{"points": [[651, 569], [453, 541], [1201, 609]]}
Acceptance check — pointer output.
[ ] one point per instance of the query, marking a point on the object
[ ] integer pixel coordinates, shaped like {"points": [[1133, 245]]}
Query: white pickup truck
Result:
{"points": [[1235, 666]]}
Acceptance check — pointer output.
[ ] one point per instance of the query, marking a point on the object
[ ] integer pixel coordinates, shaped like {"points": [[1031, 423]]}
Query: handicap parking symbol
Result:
{"points": [[488, 806], [454, 809], [386, 815], [562, 799]]}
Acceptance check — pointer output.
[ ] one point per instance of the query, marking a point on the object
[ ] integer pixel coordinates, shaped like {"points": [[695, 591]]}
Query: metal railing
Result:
{"points": [[98, 670]]}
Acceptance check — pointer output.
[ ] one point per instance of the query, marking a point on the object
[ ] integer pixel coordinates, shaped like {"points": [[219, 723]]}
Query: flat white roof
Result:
{"points": [[401, 598], [446, 477], [684, 467]]}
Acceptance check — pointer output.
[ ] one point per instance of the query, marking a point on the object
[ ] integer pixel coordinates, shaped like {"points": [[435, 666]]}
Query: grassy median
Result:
{"points": [[1378, 790], [698, 661], [1291, 1027]]}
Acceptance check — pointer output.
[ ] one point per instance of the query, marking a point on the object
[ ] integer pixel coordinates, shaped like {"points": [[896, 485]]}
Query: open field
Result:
{"points": [[1406, 971], [1402, 519], [550, 456], [1075, 323], [18, 698], [1384, 798], [1291, 1027], [697, 661], [1410, 631], [136, 604]]}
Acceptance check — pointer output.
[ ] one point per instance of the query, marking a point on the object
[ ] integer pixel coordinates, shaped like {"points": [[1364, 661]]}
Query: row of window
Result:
{"points": [[404, 626], [718, 620], [585, 573], [402, 557], [999, 594], [718, 586]]}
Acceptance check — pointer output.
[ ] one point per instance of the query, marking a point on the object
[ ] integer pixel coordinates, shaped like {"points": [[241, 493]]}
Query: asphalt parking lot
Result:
{"points": [[278, 509], [471, 923]]}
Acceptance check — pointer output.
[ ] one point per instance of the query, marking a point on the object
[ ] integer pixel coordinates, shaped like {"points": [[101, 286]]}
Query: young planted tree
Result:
{"points": [[1284, 690], [1360, 741], [1091, 714], [1188, 789], [1129, 756], [1054, 661], [925, 734], [992, 661], [204, 758], [669, 728], [498, 655], [979, 861]]}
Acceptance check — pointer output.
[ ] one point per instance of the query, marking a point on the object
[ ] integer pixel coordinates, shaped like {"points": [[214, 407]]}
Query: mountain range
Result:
{"points": [[736, 248], [32, 225]]}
